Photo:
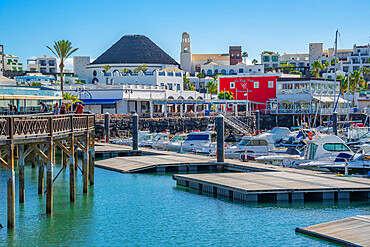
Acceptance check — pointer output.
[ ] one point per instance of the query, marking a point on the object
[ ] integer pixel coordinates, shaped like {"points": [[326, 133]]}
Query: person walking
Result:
{"points": [[79, 108], [63, 109], [56, 109]]}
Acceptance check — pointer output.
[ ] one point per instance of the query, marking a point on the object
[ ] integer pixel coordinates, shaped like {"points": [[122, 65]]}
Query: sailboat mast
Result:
{"points": [[335, 62]]}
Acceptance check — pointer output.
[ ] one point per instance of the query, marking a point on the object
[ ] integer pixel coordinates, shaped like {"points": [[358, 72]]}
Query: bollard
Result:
{"points": [[135, 131], [258, 120], [335, 121], [220, 138], [106, 118]]}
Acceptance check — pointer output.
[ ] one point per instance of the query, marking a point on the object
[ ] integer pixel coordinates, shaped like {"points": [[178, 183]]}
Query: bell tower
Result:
{"points": [[185, 54]]}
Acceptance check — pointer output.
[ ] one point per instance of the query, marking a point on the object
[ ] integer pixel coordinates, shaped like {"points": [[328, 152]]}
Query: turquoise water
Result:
{"points": [[148, 210]]}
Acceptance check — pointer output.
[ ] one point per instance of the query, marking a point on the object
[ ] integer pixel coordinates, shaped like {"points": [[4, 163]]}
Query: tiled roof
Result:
{"points": [[136, 49]]}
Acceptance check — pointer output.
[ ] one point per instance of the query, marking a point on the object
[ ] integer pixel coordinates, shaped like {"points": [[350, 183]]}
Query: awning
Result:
{"points": [[99, 101], [330, 99]]}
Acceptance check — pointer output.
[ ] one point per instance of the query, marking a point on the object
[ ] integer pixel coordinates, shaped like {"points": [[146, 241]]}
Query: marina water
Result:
{"points": [[148, 210]]}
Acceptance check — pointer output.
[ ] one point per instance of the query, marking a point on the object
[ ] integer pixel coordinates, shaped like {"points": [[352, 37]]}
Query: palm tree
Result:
{"points": [[106, 68], [34, 84], [245, 55], [316, 67], [142, 68], [254, 61], [333, 61], [125, 70], [356, 81], [365, 72], [62, 49], [211, 87]]}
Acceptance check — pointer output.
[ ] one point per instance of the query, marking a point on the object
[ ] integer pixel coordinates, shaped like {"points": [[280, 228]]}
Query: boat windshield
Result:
{"points": [[179, 138], [253, 143], [198, 138], [335, 147], [148, 137]]}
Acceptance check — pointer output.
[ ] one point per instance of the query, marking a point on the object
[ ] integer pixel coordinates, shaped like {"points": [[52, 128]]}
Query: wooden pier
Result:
{"points": [[108, 150], [40, 135], [158, 162], [278, 185], [353, 231]]}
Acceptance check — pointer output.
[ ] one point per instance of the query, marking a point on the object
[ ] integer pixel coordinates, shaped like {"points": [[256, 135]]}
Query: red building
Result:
{"points": [[235, 53], [258, 88]]}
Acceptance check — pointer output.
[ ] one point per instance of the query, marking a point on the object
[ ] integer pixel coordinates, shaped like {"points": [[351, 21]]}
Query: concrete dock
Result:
{"points": [[277, 185], [353, 231]]}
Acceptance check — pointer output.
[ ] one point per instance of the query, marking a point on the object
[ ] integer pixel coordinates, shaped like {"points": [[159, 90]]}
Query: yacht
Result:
{"points": [[325, 148], [199, 142], [276, 159], [174, 144], [249, 145], [154, 139]]}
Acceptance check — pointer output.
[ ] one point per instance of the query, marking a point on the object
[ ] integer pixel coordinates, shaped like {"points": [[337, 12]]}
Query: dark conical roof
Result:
{"points": [[135, 49]]}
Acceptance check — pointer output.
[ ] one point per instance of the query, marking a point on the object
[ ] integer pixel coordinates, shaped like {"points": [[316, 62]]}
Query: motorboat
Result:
{"points": [[276, 159], [199, 142], [251, 145], [128, 141], [326, 148], [154, 139], [174, 144]]}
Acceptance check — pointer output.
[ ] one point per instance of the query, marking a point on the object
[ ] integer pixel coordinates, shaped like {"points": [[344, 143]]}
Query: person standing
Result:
{"points": [[63, 108], [15, 109], [11, 110], [79, 108], [56, 109]]}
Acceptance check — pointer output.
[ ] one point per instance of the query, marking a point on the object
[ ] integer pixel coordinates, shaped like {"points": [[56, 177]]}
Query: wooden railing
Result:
{"points": [[28, 126]]}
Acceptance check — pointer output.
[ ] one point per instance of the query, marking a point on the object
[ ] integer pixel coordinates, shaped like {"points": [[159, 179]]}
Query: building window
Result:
{"points": [[231, 72], [256, 84], [209, 72], [274, 65], [241, 70], [162, 84], [232, 84], [178, 87], [266, 58], [275, 58], [271, 84], [223, 72], [170, 86], [94, 73]]}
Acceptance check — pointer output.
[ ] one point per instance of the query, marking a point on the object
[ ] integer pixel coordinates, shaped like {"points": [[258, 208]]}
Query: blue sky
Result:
{"points": [[27, 26]]}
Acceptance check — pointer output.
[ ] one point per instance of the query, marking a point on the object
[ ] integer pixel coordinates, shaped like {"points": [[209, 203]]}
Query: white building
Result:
{"points": [[192, 63], [11, 63], [43, 64], [211, 68]]}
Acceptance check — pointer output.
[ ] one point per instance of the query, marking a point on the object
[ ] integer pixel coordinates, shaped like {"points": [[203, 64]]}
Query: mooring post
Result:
{"points": [[220, 138], [41, 176], [92, 158], [72, 170], [106, 118], [85, 160], [258, 120], [21, 174], [10, 177], [34, 159], [135, 131], [335, 123], [49, 169]]}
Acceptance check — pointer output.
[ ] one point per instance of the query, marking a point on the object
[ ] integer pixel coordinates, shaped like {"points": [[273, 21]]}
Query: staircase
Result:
{"points": [[236, 123]]}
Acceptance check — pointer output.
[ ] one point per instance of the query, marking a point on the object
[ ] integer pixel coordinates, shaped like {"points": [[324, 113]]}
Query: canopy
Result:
{"points": [[99, 101], [330, 99]]}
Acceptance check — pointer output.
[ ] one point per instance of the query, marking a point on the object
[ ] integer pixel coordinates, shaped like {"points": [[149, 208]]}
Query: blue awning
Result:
{"points": [[99, 101]]}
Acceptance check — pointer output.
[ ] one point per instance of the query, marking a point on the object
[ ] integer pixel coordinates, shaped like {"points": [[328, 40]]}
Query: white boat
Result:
{"points": [[251, 145], [276, 159], [154, 139], [326, 148], [199, 142], [128, 141], [174, 144]]}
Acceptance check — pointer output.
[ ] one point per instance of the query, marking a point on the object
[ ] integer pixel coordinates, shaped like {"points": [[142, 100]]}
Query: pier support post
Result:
{"points": [[41, 176], [49, 169], [92, 159], [10, 178], [282, 197], [335, 123], [135, 131], [21, 174], [34, 159], [327, 195], [72, 169], [106, 123], [297, 196], [85, 164], [220, 129]]}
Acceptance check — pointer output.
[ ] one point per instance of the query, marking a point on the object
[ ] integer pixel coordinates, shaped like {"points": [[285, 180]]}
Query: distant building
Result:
{"points": [[35, 78], [43, 64], [134, 60], [193, 63], [1, 60], [11, 63]]}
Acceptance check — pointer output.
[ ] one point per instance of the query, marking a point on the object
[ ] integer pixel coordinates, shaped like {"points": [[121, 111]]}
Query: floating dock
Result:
{"points": [[158, 163], [107, 150], [353, 231], [277, 185]]}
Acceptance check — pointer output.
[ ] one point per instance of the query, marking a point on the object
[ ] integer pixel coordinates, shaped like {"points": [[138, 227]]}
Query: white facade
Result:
{"points": [[11, 63], [43, 64], [212, 68], [79, 66]]}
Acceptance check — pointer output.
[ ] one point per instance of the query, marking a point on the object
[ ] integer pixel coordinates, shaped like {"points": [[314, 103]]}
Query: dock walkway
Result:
{"points": [[353, 231], [277, 185]]}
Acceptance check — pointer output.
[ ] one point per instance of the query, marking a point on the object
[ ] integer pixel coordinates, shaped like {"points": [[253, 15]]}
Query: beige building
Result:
{"points": [[43, 64]]}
